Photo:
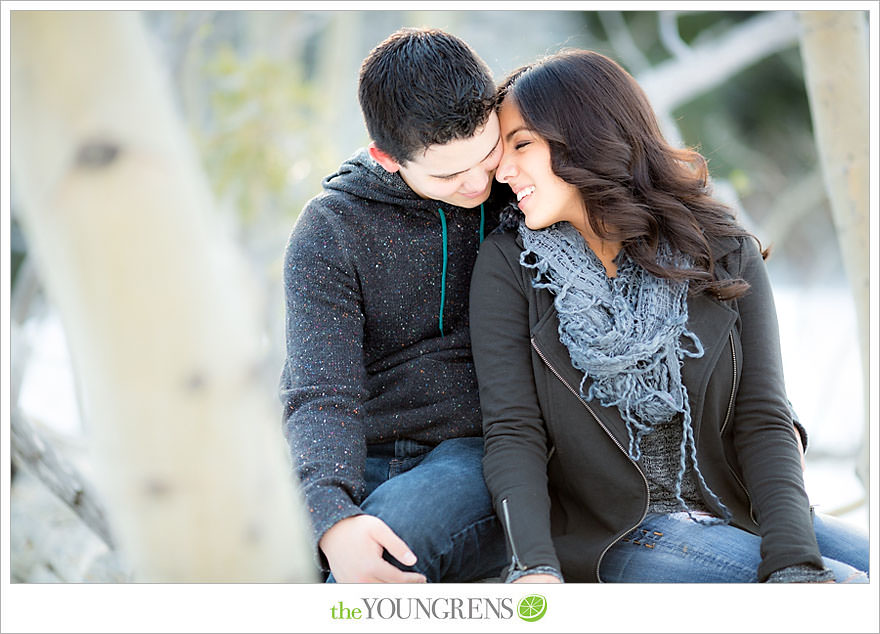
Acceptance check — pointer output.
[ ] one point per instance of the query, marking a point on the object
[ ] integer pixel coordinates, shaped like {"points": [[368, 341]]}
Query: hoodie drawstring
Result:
{"points": [[446, 258]]}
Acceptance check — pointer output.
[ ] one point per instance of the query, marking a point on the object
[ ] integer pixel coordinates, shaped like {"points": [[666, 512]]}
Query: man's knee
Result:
{"points": [[440, 500]]}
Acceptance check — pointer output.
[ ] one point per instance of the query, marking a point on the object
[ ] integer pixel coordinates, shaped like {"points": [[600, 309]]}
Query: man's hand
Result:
{"points": [[354, 546]]}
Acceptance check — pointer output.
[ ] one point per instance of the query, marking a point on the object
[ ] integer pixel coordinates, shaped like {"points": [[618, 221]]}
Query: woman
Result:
{"points": [[627, 352]]}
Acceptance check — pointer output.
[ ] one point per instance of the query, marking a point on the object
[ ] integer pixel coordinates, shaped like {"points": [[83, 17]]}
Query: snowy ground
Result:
{"points": [[823, 377], [823, 373]]}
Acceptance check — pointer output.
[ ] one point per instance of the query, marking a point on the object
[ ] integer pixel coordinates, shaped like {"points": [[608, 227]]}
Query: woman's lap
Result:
{"points": [[674, 549], [841, 541]]}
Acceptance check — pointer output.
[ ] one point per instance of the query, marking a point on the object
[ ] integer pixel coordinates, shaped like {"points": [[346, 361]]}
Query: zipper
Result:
{"points": [[727, 420], [619, 446], [732, 383], [516, 561]]}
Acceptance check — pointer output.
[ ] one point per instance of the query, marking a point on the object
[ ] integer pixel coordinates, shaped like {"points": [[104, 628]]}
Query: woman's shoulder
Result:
{"points": [[732, 255], [505, 236], [501, 244], [740, 245], [723, 246], [499, 253]]}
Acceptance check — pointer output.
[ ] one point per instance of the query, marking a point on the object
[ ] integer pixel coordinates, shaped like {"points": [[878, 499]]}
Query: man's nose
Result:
{"points": [[477, 181], [505, 170]]}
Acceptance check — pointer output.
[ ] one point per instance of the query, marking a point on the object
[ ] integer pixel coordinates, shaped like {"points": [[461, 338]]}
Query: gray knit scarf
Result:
{"points": [[624, 333]]}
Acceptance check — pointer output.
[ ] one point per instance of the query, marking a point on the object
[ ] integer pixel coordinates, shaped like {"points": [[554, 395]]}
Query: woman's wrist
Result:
{"points": [[515, 574], [801, 573]]}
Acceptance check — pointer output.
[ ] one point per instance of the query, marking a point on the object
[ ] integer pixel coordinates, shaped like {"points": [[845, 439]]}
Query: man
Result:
{"points": [[381, 405]]}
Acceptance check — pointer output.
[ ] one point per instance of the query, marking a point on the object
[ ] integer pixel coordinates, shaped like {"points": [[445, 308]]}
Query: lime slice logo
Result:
{"points": [[532, 607]]}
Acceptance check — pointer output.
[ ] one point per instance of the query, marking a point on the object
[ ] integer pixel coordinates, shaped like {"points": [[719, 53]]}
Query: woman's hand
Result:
{"points": [[538, 578]]}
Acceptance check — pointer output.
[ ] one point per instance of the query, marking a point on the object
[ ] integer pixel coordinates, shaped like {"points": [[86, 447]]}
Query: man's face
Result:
{"points": [[459, 172]]}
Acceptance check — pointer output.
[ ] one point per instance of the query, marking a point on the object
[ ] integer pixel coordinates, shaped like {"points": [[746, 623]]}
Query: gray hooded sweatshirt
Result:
{"points": [[378, 344]]}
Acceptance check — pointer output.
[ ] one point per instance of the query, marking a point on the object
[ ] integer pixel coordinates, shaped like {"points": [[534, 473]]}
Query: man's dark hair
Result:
{"points": [[422, 87]]}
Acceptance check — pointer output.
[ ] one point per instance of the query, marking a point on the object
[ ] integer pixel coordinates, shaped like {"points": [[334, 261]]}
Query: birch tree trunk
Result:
{"points": [[157, 308], [834, 48]]}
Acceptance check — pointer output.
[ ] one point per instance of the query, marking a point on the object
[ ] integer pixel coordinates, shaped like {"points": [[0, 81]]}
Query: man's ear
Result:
{"points": [[383, 158]]}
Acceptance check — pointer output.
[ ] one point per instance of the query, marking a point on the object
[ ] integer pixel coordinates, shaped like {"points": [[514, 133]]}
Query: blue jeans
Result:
{"points": [[436, 501], [673, 548]]}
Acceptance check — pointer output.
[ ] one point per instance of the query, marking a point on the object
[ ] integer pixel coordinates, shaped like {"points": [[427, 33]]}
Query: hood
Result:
{"points": [[363, 177]]}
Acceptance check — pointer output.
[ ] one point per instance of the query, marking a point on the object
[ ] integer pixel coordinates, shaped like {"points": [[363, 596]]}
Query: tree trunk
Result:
{"points": [[157, 308], [834, 47]]}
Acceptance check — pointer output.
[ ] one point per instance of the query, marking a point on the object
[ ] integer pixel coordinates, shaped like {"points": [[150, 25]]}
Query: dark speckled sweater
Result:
{"points": [[366, 359]]}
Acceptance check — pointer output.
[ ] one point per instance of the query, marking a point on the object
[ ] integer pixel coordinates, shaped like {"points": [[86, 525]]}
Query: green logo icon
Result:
{"points": [[532, 607]]}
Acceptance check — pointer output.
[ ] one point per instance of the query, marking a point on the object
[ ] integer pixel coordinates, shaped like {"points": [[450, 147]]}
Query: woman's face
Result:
{"points": [[542, 196]]}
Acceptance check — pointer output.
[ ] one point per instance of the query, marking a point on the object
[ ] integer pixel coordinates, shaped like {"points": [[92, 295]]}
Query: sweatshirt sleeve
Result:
{"points": [[765, 438], [322, 383]]}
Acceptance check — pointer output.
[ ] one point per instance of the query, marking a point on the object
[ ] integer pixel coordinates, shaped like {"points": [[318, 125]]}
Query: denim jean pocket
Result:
{"points": [[407, 454], [641, 536], [401, 465]]}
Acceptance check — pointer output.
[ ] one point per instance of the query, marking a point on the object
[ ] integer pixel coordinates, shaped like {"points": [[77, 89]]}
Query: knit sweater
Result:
{"points": [[661, 452], [378, 344]]}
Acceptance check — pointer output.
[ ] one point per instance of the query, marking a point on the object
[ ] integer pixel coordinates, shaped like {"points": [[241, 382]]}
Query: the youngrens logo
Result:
{"points": [[530, 608]]}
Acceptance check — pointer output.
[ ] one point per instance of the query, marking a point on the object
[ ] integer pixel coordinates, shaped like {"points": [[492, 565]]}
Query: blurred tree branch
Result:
{"points": [[29, 449], [619, 36], [695, 70], [680, 79], [669, 35]]}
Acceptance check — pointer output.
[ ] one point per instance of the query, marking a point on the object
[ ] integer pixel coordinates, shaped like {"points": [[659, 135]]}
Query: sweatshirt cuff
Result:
{"points": [[326, 508], [801, 573], [517, 573]]}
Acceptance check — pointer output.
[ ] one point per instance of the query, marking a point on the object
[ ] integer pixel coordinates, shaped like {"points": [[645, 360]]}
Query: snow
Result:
{"points": [[823, 371], [48, 392]]}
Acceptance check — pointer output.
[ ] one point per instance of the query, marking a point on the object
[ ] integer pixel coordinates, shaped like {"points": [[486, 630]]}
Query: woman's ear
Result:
{"points": [[383, 158]]}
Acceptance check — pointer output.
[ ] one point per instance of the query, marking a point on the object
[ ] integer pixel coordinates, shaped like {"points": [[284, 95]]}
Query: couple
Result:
{"points": [[618, 323]]}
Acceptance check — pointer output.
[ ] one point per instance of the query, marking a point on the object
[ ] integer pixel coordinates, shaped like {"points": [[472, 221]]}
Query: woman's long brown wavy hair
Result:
{"points": [[604, 139]]}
